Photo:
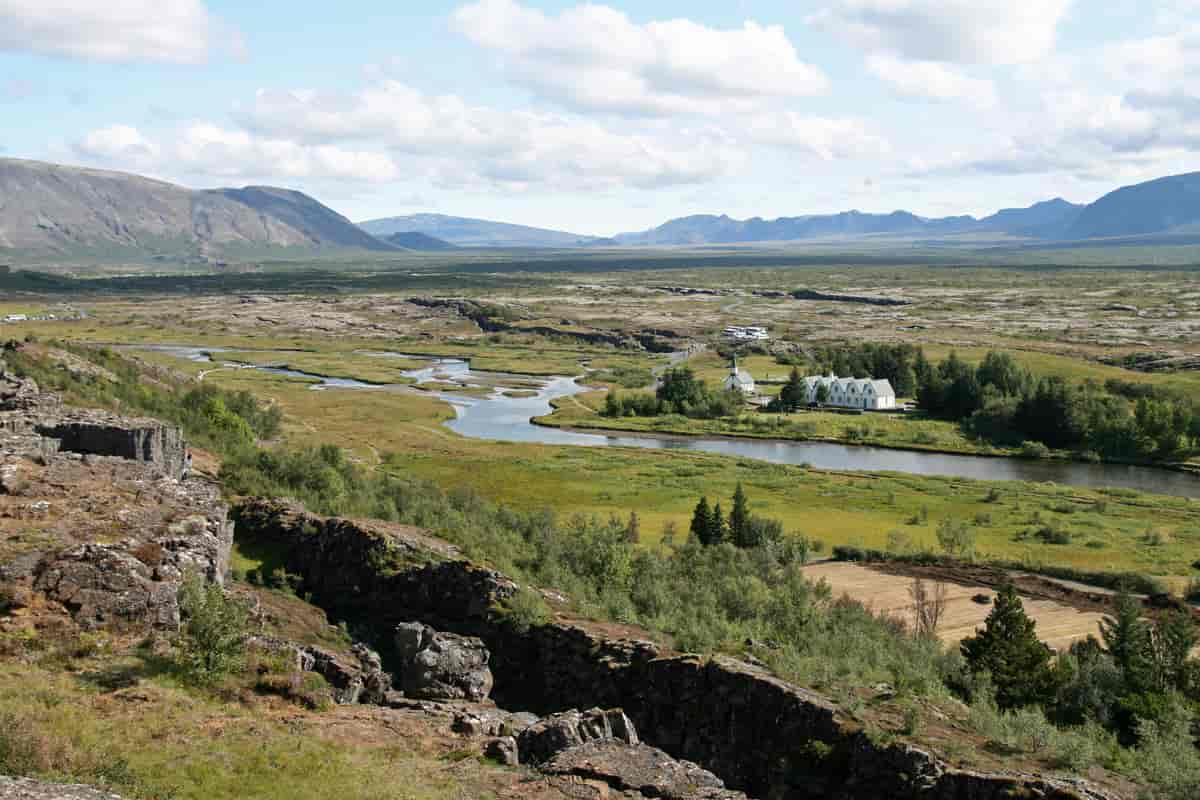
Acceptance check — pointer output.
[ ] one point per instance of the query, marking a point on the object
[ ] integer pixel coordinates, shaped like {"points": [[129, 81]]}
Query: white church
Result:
{"points": [[740, 380], [873, 395]]}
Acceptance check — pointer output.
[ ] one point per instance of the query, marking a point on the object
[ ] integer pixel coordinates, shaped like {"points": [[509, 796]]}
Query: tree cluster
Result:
{"points": [[742, 529], [679, 392], [1001, 401], [1139, 672]]}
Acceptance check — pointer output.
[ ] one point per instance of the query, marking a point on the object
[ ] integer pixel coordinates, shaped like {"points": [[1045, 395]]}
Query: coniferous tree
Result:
{"points": [[792, 395], [702, 522], [1174, 639], [717, 529], [1127, 639], [1008, 648], [739, 519]]}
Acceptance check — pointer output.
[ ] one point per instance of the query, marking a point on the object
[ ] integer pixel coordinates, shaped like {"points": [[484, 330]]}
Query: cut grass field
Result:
{"points": [[1058, 625]]}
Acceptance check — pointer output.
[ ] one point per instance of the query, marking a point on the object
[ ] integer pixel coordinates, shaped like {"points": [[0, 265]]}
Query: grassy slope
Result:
{"points": [[93, 709]]}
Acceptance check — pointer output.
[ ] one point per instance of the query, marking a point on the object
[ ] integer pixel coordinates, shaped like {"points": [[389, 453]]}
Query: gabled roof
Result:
{"points": [[883, 387]]}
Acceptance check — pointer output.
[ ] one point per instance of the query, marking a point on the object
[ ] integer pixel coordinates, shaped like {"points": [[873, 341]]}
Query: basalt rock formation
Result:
{"points": [[118, 522], [757, 733], [441, 666]]}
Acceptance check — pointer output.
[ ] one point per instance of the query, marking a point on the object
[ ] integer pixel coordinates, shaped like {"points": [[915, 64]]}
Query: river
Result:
{"points": [[503, 418]]}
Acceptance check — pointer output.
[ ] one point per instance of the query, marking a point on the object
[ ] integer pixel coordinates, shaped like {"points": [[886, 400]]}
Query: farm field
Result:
{"points": [[1058, 625]]}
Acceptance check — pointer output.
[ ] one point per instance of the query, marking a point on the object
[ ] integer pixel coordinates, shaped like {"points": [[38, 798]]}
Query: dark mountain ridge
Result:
{"points": [[50, 209]]}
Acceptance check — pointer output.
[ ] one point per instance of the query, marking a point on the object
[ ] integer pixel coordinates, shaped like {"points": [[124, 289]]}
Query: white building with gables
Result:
{"points": [[865, 393]]}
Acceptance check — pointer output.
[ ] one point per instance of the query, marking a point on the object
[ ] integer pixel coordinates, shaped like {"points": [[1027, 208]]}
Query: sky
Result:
{"points": [[614, 116]]}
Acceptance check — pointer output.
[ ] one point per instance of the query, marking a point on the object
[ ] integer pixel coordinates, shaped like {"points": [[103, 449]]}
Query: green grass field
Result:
{"points": [[1113, 530]]}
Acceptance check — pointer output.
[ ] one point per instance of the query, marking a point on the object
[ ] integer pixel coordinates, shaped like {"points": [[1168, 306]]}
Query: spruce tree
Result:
{"points": [[717, 528], [739, 519], [1174, 639], [1008, 648], [1127, 639], [792, 395], [702, 522]]}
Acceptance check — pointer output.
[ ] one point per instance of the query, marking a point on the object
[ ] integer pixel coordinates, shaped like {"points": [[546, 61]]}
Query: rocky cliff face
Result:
{"points": [[96, 514], [757, 733]]}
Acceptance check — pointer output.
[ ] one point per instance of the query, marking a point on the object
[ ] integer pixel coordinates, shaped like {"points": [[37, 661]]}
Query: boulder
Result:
{"points": [[361, 680], [542, 741], [441, 666], [103, 585], [644, 770], [492, 722], [375, 682], [503, 750]]}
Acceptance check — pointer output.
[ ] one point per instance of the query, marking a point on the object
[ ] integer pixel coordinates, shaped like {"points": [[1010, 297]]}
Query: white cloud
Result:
{"points": [[118, 143], [465, 144], [932, 80], [594, 57], [177, 31], [205, 149], [828, 139], [1097, 138], [212, 150], [1154, 62], [959, 31]]}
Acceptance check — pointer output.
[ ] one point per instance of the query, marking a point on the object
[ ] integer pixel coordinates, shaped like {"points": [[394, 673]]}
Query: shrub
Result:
{"points": [[210, 643], [526, 609], [1034, 450], [956, 538], [1052, 535]]}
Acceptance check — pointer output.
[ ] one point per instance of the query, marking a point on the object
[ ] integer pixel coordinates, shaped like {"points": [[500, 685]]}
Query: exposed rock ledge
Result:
{"points": [[118, 523], [752, 730]]}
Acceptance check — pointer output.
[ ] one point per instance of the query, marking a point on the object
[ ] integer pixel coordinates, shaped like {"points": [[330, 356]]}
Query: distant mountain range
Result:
{"points": [[1049, 219], [467, 232], [52, 210]]}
